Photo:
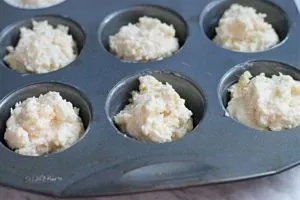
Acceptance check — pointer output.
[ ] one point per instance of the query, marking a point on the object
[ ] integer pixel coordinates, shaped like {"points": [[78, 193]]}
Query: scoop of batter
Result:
{"points": [[39, 126], [149, 39], [42, 49], [266, 103], [34, 3], [156, 113], [242, 29]]}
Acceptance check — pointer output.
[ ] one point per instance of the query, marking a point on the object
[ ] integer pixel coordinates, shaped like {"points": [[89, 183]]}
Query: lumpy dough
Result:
{"points": [[39, 126], [156, 113], [34, 3], [243, 29], [149, 39], [266, 103], [42, 49]]}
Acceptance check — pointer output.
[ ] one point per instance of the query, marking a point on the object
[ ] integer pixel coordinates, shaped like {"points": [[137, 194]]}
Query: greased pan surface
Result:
{"points": [[104, 161]]}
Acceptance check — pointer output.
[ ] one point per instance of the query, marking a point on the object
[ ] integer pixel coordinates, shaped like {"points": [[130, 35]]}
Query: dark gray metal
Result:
{"points": [[105, 162]]}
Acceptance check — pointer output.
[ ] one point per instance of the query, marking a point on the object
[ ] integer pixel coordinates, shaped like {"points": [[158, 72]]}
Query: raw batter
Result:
{"points": [[39, 126], [42, 49], [149, 39], [266, 103], [156, 113], [33, 4], [243, 29]]}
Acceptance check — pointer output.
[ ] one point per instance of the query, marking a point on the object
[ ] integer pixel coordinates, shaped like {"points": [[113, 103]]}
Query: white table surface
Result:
{"points": [[284, 186]]}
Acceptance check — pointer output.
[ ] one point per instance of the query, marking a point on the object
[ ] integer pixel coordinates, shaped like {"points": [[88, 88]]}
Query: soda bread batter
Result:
{"points": [[155, 113], [242, 29], [39, 126], [266, 103], [149, 39], [42, 49], [33, 3]]}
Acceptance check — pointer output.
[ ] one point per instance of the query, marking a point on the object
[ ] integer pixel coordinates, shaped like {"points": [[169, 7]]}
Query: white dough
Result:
{"points": [[39, 126], [149, 39], [266, 103], [33, 4], [42, 49], [243, 29], [156, 113]]}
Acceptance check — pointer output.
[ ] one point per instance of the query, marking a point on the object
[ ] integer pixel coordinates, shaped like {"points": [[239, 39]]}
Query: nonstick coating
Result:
{"points": [[107, 162]]}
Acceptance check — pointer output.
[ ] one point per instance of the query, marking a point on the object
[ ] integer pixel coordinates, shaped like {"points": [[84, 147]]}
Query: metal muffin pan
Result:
{"points": [[106, 162]]}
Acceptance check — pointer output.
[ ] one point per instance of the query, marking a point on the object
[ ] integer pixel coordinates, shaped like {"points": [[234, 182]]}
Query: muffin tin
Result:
{"points": [[105, 161]]}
